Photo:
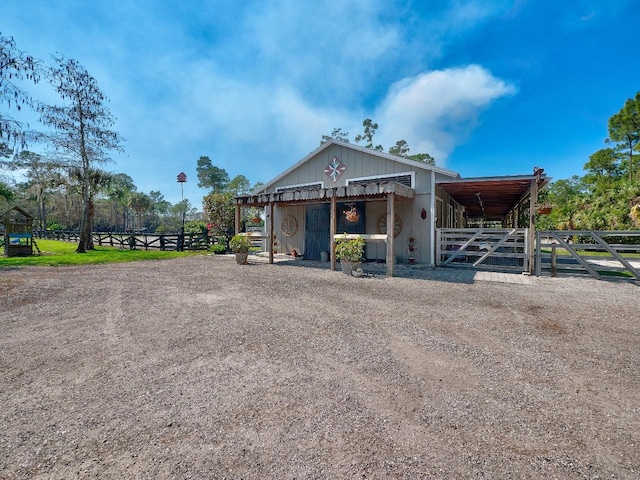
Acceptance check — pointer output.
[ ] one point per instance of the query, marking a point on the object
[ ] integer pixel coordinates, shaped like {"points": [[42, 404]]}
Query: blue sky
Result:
{"points": [[487, 87]]}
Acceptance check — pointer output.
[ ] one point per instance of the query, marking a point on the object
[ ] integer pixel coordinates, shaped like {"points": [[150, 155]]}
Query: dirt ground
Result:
{"points": [[200, 368]]}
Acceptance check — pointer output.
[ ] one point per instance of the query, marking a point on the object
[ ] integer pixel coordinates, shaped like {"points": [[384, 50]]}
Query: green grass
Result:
{"points": [[56, 253], [589, 253]]}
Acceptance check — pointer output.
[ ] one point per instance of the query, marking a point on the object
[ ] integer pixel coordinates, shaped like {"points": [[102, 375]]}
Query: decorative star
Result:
{"points": [[335, 169]]}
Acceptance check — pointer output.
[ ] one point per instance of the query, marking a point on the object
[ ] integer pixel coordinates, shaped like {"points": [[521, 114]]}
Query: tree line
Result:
{"points": [[400, 149], [607, 196]]}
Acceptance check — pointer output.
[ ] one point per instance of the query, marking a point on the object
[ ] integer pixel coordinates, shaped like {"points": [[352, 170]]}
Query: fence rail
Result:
{"points": [[133, 241], [492, 248], [612, 253]]}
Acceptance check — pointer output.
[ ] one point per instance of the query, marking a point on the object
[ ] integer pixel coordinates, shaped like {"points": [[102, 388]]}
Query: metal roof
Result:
{"points": [[491, 197]]}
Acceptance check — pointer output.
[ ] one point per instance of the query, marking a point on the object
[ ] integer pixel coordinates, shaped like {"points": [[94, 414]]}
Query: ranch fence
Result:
{"points": [[133, 241], [483, 248], [599, 254]]}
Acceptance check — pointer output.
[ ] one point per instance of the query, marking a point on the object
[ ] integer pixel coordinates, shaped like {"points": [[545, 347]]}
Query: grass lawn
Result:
{"points": [[55, 252]]}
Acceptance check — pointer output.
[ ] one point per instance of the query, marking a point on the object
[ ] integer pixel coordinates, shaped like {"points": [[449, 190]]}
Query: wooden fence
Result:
{"points": [[600, 254], [489, 248], [133, 241]]}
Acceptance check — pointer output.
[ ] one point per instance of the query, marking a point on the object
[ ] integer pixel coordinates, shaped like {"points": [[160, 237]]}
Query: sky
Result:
{"points": [[487, 87]]}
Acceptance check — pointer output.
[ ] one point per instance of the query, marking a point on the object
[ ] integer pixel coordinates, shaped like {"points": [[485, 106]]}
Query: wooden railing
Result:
{"points": [[133, 241], [600, 254], [492, 248]]}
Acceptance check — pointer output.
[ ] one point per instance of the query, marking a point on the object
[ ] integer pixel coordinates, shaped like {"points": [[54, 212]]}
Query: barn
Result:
{"points": [[345, 188]]}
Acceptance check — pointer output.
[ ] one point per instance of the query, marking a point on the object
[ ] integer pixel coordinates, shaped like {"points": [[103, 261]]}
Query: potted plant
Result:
{"points": [[350, 252], [411, 249], [240, 244]]}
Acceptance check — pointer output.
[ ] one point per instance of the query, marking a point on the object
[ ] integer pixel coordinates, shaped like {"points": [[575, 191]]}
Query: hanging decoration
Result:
{"points": [[352, 214], [334, 169]]}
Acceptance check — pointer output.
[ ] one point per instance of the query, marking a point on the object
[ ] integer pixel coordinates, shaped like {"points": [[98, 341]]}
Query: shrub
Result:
{"points": [[218, 248], [240, 243], [351, 250]]}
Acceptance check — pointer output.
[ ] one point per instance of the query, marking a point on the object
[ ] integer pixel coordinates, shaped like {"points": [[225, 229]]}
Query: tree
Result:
{"points": [[369, 132], [44, 177], [567, 197], [119, 191], [338, 134], [159, 206], [422, 157], [15, 66], [6, 192], [140, 202], [603, 170], [400, 149], [624, 128], [219, 210], [210, 176], [81, 131], [240, 185]]}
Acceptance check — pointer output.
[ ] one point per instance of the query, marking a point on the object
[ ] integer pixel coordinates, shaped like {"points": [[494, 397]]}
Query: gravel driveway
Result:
{"points": [[200, 368]]}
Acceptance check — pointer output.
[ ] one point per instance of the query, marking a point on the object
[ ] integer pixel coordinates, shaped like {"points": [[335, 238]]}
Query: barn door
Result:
{"points": [[316, 235]]}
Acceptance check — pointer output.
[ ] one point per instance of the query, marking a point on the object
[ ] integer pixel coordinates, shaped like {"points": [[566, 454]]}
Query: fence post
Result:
{"points": [[180, 246], [553, 260]]}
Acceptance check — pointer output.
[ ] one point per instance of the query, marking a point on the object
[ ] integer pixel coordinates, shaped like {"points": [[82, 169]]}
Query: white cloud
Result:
{"points": [[435, 111]]}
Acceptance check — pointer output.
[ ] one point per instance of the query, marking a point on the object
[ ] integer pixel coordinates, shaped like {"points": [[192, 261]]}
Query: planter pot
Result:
{"points": [[544, 210], [241, 258], [349, 267]]}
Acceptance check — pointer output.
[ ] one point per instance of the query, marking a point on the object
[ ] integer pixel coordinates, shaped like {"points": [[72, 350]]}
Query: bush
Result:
{"points": [[218, 248], [240, 243], [350, 250]]}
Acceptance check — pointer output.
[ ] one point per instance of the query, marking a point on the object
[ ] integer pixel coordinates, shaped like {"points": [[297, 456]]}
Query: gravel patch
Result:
{"points": [[200, 368]]}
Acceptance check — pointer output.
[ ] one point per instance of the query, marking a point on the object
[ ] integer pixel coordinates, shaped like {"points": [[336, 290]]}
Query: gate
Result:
{"points": [[597, 253], [487, 248]]}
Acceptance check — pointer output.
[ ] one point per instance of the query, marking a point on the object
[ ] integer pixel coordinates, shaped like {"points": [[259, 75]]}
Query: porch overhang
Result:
{"points": [[388, 191], [307, 195], [492, 198]]}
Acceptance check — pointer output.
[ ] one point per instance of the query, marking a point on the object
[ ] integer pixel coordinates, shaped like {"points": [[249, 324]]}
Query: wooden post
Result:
{"points": [[271, 232], [533, 201], [432, 222], [390, 232], [237, 223], [332, 231], [554, 260]]}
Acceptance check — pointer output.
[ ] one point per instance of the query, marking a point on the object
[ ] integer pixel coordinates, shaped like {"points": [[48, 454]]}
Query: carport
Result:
{"points": [[500, 210]]}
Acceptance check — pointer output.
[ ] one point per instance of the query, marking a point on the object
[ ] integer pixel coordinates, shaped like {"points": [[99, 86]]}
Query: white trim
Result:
{"points": [[432, 221], [299, 185], [389, 175]]}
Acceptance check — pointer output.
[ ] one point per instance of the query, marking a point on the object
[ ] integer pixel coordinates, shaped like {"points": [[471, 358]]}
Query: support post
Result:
{"points": [[237, 219], [390, 232], [271, 232], [332, 231], [432, 221], [533, 201]]}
